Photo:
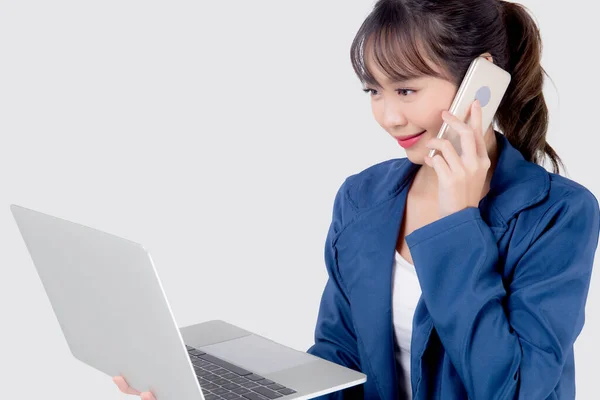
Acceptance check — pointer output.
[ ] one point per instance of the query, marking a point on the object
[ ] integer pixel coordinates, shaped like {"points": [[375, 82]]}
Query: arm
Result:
{"points": [[508, 345], [335, 339]]}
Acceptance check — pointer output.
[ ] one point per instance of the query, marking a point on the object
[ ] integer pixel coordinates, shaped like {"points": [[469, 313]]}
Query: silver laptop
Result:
{"points": [[115, 317]]}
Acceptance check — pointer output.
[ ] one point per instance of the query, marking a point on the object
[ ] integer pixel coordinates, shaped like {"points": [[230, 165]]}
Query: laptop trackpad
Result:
{"points": [[257, 354]]}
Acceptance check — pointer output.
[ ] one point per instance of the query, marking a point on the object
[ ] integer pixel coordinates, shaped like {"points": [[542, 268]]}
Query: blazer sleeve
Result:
{"points": [[509, 343], [335, 339]]}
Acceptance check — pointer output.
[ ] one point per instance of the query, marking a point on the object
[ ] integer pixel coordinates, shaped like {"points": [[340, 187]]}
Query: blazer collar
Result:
{"points": [[366, 251], [516, 184]]}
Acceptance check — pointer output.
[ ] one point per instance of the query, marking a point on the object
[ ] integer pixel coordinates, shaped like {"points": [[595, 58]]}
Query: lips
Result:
{"points": [[410, 136]]}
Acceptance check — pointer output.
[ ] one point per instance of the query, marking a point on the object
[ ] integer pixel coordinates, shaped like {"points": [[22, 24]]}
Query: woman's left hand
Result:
{"points": [[460, 178]]}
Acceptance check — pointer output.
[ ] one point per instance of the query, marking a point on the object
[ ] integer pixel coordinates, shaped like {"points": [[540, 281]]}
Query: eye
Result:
{"points": [[402, 92], [405, 90]]}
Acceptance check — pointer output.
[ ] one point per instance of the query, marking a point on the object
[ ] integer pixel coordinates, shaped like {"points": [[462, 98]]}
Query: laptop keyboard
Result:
{"points": [[222, 380]]}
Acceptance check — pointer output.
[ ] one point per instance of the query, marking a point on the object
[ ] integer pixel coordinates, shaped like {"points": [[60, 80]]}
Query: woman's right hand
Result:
{"points": [[124, 387]]}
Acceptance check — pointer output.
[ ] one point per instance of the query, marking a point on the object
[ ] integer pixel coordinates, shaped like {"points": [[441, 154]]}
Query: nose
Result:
{"points": [[393, 116]]}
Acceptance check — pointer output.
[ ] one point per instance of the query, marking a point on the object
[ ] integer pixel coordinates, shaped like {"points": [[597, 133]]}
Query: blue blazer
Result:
{"points": [[504, 285]]}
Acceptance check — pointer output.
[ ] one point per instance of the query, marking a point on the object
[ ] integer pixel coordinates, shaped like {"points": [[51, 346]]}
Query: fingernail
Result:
{"points": [[476, 103]]}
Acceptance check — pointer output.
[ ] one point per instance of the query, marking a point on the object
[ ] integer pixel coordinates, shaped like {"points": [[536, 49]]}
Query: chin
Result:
{"points": [[417, 156]]}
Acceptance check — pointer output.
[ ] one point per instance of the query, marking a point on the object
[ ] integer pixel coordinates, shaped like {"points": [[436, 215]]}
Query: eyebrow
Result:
{"points": [[391, 83]]}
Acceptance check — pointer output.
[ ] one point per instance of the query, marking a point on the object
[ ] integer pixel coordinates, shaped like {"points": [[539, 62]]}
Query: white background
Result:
{"points": [[216, 134]]}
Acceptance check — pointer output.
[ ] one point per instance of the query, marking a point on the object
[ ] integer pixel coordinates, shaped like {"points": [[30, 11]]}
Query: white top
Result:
{"points": [[406, 291]]}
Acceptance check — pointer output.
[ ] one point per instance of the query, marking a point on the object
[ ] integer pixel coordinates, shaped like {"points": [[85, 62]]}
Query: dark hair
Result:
{"points": [[402, 35]]}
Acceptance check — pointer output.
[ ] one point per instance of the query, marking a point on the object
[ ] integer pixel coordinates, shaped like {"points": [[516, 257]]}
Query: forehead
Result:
{"points": [[384, 79], [390, 62]]}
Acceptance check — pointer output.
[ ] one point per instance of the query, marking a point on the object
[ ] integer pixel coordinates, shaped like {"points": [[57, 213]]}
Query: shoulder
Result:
{"points": [[568, 196], [377, 183], [567, 193], [370, 187], [568, 206]]}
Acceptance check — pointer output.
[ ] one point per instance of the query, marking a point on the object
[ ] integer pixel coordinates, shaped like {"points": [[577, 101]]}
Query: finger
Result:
{"points": [[469, 141], [124, 386], [466, 136], [147, 396], [477, 126], [441, 168], [448, 151]]}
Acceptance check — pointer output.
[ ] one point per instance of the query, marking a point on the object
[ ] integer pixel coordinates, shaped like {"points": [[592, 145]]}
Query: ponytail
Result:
{"points": [[523, 114]]}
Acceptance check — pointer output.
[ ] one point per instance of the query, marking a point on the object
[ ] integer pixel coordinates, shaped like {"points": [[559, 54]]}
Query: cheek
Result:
{"points": [[377, 111], [430, 119], [435, 105], [422, 115]]}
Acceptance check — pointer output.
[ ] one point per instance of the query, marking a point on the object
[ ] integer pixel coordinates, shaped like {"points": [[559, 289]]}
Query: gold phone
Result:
{"points": [[485, 81]]}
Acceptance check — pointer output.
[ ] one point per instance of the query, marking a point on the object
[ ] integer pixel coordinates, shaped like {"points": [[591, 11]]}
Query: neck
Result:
{"points": [[426, 180]]}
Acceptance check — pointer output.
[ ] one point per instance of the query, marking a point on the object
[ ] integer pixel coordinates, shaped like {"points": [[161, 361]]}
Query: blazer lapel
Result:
{"points": [[365, 255]]}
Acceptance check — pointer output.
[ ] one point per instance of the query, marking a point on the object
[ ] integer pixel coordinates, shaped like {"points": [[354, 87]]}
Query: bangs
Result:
{"points": [[391, 41]]}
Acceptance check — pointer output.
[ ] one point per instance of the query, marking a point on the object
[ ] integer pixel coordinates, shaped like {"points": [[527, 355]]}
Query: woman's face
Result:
{"points": [[407, 108]]}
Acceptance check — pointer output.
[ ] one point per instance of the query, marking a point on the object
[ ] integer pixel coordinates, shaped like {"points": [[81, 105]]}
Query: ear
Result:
{"points": [[488, 57]]}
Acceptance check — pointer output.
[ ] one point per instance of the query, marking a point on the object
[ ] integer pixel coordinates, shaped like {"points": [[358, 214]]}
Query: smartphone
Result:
{"points": [[484, 81]]}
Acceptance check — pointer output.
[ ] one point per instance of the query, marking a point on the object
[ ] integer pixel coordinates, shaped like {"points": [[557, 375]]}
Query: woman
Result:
{"points": [[459, 276], [488, 252]]}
